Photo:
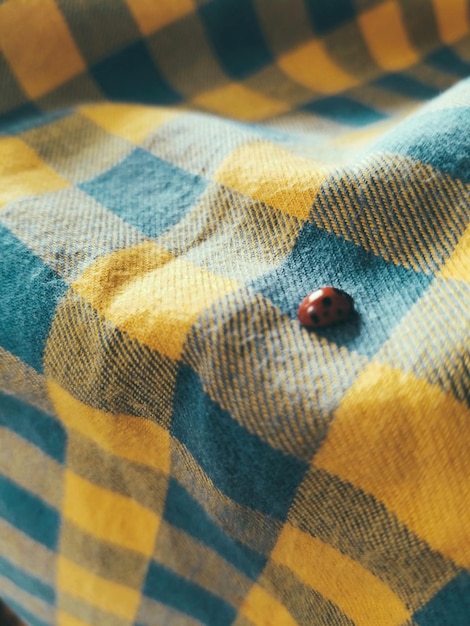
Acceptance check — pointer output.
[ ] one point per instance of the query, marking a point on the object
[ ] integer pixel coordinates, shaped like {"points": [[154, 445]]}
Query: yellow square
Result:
{"points": [[151, 295], [240, 103], [386, 37], [38, 45], [104, 594], [458, 265], [23, 173], [259, 604], [406, 442], [311, 66], [121, 435], [151, 15], [108, 515], [368, 600], [270, 174], [453, 19], [131, 122]]}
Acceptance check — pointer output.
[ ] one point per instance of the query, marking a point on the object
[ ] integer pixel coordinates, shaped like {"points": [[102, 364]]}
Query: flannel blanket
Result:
{"points": [[175, 448]]}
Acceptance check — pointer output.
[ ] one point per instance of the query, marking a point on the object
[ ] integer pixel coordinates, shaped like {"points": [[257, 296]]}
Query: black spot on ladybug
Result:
{"points": [[326, 301], [340, 312], [314, 317]]}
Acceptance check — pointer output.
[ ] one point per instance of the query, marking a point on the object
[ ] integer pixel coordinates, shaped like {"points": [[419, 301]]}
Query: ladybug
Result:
{"points": [[324, 307]]}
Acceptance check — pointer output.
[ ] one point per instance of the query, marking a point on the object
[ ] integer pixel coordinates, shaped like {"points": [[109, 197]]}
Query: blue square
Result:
{"points": [[345, 111], [165, 586], [22, 118], [147, 192], [383, 292], [132, 75], [407, 86], [449, 607], [28, 513], [40, 429], [447, 60], [233, 28], [30, 294], [328, 15], [240, 464]]}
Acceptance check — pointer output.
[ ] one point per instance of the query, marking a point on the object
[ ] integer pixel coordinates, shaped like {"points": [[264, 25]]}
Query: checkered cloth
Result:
{"points": [[175, 176]]}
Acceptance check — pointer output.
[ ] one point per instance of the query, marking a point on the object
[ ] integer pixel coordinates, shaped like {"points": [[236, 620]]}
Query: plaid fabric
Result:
{"points": [[175, 176]]}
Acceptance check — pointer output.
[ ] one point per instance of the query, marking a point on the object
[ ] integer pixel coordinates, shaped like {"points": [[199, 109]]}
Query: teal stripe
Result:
{"points": [[407, 86], [451, 605], [447, 60], [345, 111], [28, 513], [326, 16], [163, 585], [183, 512], [131, 75], [25, 581], [30, 294], [233, 28], [242, 465]]}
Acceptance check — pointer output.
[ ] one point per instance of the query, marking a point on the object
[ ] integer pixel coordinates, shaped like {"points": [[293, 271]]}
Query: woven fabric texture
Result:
{"points": [[175, 176]]}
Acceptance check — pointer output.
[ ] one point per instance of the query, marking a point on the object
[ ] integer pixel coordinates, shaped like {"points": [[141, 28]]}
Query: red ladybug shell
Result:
{"points": [[324, 307]]}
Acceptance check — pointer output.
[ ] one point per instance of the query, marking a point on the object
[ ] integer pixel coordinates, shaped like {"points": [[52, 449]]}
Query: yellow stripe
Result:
{"points": [[311, 66], [121, 435], [270, 174], [151, 15], [241, 103], [38, 45], [150, 295], [357, 592], [385, 34], [452, 18], [407, 443], [23, 173], [131, 122], [260, 607], [104, 594], [109, 516]]}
